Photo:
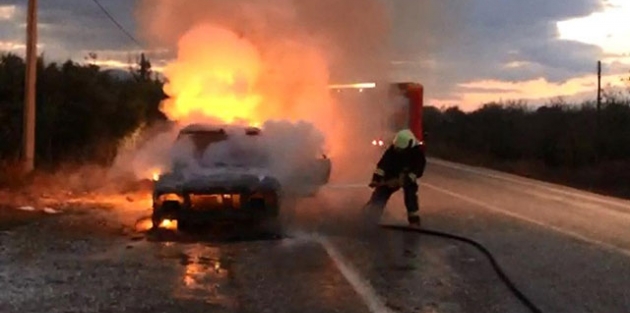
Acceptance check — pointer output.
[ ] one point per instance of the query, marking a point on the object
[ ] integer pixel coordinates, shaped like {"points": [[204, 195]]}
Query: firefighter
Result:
{"points": [[400, 166]]}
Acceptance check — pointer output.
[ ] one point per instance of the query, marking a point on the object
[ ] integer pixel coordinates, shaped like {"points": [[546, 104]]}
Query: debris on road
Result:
{"points": [[10, 217], [51, 211], [47, 210]]}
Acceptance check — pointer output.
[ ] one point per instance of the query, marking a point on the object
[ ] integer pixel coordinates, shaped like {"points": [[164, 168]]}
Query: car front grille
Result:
{"points": [[215, 201]]}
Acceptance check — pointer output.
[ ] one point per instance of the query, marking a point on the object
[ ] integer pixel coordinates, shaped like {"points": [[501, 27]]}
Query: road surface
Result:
{"points": [[569, 251]]}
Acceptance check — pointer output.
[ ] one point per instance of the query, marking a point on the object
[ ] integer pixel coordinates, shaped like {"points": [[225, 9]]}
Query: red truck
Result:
{"points": [[403, 109]]}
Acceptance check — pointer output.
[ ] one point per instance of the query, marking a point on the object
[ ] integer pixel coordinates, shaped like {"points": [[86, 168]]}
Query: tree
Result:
{"points": [[143, 73], [83, 112]]}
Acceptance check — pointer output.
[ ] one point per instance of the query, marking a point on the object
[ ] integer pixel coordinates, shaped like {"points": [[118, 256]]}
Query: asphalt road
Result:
{"points": [[569, 251]]}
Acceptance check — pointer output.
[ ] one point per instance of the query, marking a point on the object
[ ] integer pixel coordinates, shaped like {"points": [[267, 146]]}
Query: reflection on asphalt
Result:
{"points": [[206, 257], [204, 276]]}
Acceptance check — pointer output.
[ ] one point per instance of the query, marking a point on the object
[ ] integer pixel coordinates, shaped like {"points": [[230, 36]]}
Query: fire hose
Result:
{"points": [[495, 265]]}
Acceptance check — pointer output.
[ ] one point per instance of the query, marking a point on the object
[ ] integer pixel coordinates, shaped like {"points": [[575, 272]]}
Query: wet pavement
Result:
{"points": [[91, 259]]}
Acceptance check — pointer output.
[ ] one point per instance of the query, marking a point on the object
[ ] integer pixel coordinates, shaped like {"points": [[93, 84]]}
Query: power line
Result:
{"points": [[117, 24]]}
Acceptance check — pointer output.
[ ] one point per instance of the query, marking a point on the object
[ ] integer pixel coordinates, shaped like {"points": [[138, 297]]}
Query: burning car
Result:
{"points": [[228, 179]]}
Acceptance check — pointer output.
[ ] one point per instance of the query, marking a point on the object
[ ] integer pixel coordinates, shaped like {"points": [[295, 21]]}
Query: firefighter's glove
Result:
{"points": [[412, 177], [377, 178]]}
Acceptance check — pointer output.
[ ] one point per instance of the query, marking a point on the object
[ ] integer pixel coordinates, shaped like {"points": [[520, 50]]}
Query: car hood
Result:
{"points": [[217, 179]]}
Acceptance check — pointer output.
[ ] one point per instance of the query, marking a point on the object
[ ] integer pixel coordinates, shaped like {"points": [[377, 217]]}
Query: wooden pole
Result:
{"points": [[599, 86], [28, 153], [598, 127]]}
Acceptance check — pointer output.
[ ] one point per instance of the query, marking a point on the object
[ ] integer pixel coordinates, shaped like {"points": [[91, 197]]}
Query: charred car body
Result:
{"points": [[234, 185]]}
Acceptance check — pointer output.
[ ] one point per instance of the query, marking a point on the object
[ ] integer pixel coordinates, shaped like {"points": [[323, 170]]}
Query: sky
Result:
{"points": [[466, 53]]}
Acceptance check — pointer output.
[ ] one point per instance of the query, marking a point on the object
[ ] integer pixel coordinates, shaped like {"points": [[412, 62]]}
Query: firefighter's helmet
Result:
{"points": [[405, 139]]}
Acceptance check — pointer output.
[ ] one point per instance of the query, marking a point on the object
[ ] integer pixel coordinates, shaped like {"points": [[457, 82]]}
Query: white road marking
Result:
{"points": [[527, 219], [361, 286], [346, 186], [567, 191]]}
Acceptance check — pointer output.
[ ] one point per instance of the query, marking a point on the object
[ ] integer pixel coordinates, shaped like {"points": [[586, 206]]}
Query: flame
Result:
{"points": [[215, 75], [145, 224], [168, 224], [155, 176], [222, 77]]}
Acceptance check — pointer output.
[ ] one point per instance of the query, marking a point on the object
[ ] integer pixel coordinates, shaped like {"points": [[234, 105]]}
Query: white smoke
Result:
{"points": [[284, 150], [292, 148], [148, 153]]}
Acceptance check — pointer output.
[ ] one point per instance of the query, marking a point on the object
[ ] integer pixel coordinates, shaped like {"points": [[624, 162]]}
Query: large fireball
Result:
{"points": [[214, 76], [220, 76]]}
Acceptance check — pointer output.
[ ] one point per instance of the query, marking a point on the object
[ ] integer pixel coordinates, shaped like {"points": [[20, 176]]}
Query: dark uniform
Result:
{"points": [[396, 169]]}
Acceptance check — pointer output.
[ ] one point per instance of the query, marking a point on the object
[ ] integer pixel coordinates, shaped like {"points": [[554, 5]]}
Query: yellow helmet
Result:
{"points": [[405, 139]]}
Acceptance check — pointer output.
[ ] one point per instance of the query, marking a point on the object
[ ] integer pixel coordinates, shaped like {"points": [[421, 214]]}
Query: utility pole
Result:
{"points": [[28, 144], [599, 86], [598, 130]]}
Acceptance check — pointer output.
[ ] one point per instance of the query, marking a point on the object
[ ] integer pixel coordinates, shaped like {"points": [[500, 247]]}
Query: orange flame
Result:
{"points": [[222, 77], [145, 224], [168, 224], [214, 76]]}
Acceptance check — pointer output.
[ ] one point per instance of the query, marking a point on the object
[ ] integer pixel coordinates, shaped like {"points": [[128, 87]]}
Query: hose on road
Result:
{"points": [[528, 303]]}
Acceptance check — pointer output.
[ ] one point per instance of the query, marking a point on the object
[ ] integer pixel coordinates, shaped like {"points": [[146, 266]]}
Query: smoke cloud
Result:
{"points": [[253, 61], [286, 151], [351, 35]]}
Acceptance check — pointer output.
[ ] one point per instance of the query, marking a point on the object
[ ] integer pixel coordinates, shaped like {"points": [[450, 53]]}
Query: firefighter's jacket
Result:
{"points": [[394, 163]]}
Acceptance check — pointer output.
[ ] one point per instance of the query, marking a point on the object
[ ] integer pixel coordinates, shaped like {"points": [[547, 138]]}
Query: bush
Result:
{"points": [[571, 144]]}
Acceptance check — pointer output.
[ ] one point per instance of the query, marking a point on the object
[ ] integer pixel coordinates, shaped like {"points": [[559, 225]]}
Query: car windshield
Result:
{"points": [[202, 139], [219, 149]]}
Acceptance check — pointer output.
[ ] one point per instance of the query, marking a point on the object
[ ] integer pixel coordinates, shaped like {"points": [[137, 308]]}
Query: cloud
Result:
{"points": [[11, 46], [486, 90], [535, 91], [68, 28], [7, 12], [474, 40]]}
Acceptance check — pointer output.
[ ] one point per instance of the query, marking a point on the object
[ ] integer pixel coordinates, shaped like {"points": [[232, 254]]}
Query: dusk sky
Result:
{"points": [[470, 53]]}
